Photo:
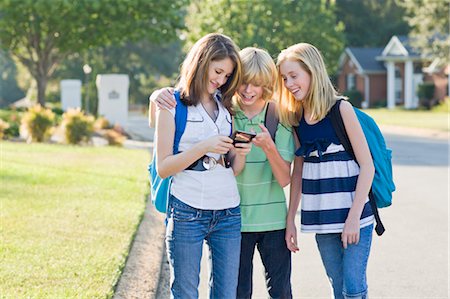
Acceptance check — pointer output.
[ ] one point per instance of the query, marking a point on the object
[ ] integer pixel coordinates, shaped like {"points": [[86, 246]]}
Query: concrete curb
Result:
{"points": [[141, 275]]}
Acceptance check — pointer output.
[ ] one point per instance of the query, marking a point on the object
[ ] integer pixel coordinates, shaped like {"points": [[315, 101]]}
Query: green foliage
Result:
{"points": [[270, 24], [425, 91], [371, 23], [40, 33], [355, 97], [430, 22], [37, 122], [77, 126]]}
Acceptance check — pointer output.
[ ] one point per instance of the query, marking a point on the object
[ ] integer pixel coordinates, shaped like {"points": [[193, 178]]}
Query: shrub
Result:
{"points": [[425, 91], [37, 123], [102, 123], [77, 126], [13, 118], [354, 97], [114, 137], [3, 126]]}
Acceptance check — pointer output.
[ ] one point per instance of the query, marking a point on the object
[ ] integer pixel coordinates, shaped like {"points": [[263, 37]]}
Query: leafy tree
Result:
{"points": [[42, 33], [270, 24], [430, 22], [371, 23]]}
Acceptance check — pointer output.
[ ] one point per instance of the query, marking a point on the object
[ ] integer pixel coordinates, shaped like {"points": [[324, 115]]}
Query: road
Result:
{"points": [[411, 260]]}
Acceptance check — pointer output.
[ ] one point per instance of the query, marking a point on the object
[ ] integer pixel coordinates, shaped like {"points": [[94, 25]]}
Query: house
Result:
{"points": [[390, 76]]}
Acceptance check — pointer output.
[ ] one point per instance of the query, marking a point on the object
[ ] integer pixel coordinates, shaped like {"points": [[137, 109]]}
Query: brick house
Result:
{"points": [[390, 75]]}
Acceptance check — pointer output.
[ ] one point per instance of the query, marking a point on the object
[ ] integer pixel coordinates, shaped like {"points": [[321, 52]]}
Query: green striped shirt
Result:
{"points": [[263, 203]]}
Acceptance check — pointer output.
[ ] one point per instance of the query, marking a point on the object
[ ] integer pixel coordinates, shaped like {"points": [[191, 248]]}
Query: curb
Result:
{"points": [[141, 275]]}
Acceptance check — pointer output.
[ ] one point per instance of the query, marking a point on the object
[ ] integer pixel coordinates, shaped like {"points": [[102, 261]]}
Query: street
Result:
{"points": [[411, 259]]}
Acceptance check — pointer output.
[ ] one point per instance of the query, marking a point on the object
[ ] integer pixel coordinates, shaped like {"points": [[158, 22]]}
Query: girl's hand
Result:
{"points": [[242, 149], [163, 98], [263, 139], [350, 234], [218, 144], [291, 237]]}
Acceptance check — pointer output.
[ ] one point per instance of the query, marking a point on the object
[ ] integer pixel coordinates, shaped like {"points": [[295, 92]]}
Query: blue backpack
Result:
{"points": [[160, 188], [380, 195]]}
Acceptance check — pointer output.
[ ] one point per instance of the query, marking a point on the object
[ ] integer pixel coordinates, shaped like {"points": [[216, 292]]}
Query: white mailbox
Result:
{"points": [[70, 94], [113, 97]]}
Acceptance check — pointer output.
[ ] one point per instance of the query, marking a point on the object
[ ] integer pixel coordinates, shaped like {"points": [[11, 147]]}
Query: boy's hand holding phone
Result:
{"points": [[263, 139]]}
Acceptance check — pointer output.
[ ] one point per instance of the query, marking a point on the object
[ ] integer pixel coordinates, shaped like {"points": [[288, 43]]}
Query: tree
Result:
{"points": [[371, 23], [270, 24], [41, 33], [430, 22]]}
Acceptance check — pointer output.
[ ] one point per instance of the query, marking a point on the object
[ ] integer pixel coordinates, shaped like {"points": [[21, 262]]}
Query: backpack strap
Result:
{"points": [[271, 119], [180, 121], [339, 128]]}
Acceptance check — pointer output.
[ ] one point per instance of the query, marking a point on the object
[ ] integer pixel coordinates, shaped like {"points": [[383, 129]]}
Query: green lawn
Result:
{"points": [[68, 215], [411, 118]]}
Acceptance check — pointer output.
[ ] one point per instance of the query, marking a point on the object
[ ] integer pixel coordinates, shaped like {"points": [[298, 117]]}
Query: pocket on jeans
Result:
{"points": [[236, 211], [184, 214]]}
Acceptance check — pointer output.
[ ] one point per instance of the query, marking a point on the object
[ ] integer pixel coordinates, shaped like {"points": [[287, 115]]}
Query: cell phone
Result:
{"points": [[242, 136]]}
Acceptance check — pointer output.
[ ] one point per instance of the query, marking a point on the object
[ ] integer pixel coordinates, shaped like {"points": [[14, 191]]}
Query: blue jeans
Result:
{"points": [[276, 259], [187, 228], [346, 268]]}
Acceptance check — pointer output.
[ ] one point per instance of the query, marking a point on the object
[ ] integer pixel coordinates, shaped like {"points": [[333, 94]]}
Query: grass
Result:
{"points": [[436, 120], [68, 215]]}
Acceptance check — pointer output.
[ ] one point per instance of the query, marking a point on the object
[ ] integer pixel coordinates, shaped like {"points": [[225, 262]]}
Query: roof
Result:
{"points": [[364, 59], [399, 47]]}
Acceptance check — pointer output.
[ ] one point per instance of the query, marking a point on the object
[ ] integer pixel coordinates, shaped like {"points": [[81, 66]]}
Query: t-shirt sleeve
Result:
{"points": [[284, 141]]}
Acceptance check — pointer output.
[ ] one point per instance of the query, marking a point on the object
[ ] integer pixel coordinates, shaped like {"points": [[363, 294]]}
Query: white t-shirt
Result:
{"points": [[214, 189]]}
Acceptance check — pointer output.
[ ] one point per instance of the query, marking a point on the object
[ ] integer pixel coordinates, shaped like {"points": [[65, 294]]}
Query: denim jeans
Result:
{"points": [[276, 259], [187, 228], [346, 268]]}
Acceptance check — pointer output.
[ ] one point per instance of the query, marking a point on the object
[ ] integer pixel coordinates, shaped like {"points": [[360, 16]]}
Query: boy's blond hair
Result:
{"points": [[258, 69], [321, 95]]}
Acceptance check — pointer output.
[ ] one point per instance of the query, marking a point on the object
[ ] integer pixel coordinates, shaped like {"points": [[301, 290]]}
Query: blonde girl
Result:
{"points": [[331, 186]]}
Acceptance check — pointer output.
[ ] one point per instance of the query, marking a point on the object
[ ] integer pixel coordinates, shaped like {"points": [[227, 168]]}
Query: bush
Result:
{"points": [[102, 123], [3, 126], [114, 137], [354, 97], [425, 91], [37, 123], [13, 118], [77, 126]]}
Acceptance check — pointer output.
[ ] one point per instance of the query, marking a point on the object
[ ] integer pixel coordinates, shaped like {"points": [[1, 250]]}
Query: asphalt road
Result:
{"points": [[411, 260]]}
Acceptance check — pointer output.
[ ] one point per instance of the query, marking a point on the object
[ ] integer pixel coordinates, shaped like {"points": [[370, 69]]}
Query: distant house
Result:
{"points": [[390, 75]]}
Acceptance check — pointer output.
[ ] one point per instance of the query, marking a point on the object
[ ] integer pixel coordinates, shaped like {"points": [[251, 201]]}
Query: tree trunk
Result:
{"points": [[41, 81]]}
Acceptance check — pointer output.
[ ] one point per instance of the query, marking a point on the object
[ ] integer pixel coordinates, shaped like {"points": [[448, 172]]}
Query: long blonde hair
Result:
{"points": [[321, 95], [194, 69]]}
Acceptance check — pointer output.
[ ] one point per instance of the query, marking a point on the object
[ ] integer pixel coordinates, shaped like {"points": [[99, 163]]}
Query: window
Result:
{"points": [[351, 81]]}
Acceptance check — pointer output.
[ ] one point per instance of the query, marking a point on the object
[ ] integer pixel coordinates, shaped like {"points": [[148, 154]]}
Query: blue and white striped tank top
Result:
{"points": [[329, 180]]}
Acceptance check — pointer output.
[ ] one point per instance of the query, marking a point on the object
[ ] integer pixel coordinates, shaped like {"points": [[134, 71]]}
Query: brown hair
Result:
{"points": [[194, 69]]}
